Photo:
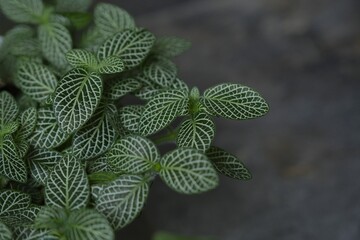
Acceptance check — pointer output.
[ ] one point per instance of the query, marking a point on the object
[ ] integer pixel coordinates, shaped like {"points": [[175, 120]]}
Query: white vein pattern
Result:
{"points": [[188, 171], [28, 233], [161, 110], [36, 80], [47, 133], [112, 64], [67, 186], [234, 101], [96, 136], [110, 19], [8, 108], [55, 41], [81, 58], [41, 163], [130, 117], [196, 132], [5, 233], [22, 11], [122, 200], [132, 46], [162, 72], [133, 154], [228, 164], [11, 165], [100, 164], [76, 98], [11, 202], [28, 121], [120, 88]]}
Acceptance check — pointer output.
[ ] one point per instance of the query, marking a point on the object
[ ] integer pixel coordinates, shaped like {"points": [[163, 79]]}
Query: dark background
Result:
{"points": [[303, 56]]}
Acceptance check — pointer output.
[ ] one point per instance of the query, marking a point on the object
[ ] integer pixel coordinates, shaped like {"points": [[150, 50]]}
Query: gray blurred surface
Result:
{"points": [[304, 57]]}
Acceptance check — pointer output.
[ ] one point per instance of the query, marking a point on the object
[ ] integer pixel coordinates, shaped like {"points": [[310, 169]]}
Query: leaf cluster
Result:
{"points": [[76, 162]]}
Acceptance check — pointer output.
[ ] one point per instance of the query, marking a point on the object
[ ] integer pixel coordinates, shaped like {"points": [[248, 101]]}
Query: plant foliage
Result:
{"points": [[75, 162]]}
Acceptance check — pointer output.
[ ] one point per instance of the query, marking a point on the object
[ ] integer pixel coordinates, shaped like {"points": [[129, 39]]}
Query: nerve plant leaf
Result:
{"points": [[11, 202], [161, 71], [132, 46], [227, 164], [133, 154], [122, 200], [55, 41], [96, 136], [112, 64], [28, 121], [234, 101], [8, 108], [196, 132], [29, 233], [36, 81], [110, 19], [129, 117], [11, 165], [76, 98], [161, 110], [22, 11], [120, 88], [5, 232], [188, 171], [170, 46], [67, 185], [81, 58]]}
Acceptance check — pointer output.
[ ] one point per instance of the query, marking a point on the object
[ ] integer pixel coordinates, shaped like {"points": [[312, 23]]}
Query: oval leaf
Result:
{"points": [[188, 171], [8, 108], [133, 154], [228, 164], [81, 58], [161, 110], [196, 132], [11, 202], [161, 71], [118, 89], [67, 186], [22, 11], [76, 99], [234, 101], [122, 200], [111, 65], [130, 117]]}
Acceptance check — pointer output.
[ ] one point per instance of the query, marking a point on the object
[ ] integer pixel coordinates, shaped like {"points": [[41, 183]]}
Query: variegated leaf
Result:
{"points": [[29, 233], [120, 88], [8, 108], [161, 71], [14, 37], [188, 171], [122, 200], [100, 164], [96, 136], [196, 132], [234, 101], [161, 110], [28, 122], [112, 64], [22, 11], [36, 81], [76, 98], [130, 117], [81, 58], [47, 133], [9, 128], [11, 165], [5, 233], [11, 202], [170, 46], [228, 164], [51, 218], [133, 154], [110, 19], [67, 185], [41, 162], [132, 46], [55, 42]]}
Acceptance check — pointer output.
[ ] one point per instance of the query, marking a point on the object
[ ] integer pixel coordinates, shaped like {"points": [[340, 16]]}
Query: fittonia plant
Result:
{"points": [[75, 162]]}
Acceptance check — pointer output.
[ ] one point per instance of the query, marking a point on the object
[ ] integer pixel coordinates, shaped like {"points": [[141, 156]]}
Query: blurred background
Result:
{"points": [[303, 56]]}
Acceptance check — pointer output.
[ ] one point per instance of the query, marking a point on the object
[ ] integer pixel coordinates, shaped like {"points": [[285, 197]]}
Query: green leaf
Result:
{"points": [[11, 202], [47, 133], [188, 171], [36, 81], [100, 164], [55, 42], [67, 185], [96, 136], [14, 37], [78, 19], [228, 164], [130, 117], [120, 88], [76, 98], [234, 101], [81, 58], [51, 218], [170, 46], [22, 11], [28, 233], [112, 64], [161, 110], [28, 121], [5, 233], [8, 108], [26, 47], [11, 165], [9, 128], [41, 162], [132, 46], [196, 132], [122, 200], [110, 19], [72, 6], [133, 154], [102, 177], [161, 71]]}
